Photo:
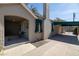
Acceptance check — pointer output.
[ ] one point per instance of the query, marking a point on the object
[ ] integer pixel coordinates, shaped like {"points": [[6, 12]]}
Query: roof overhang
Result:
{"points": [[66, 23], [29, 10], [24, 6]]}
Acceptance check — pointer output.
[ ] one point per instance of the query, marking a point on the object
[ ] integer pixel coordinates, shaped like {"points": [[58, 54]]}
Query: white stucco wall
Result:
{"points": [[1, 32], [18, 10], [58, 29], [47, 28]]}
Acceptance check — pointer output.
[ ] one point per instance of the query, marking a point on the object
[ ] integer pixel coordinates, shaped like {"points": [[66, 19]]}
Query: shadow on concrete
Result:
{"points": [[11, 41], [39, 43], [66, 39]]}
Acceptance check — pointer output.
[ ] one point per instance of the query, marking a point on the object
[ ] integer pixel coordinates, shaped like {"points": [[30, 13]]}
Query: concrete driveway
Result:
{"points": [[67, 38], [55, 48], [58, 45]]}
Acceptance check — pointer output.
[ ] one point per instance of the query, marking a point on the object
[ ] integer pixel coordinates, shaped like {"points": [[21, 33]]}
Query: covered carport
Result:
{"points": [[65, 26], [16, 30], [62, 35]]}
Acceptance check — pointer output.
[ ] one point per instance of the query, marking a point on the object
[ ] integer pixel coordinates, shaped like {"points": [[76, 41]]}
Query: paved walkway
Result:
{"points": [[55, 48]]}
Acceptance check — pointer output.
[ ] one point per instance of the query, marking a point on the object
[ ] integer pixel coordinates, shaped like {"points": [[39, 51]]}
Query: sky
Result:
{"points": [[60, 10]]}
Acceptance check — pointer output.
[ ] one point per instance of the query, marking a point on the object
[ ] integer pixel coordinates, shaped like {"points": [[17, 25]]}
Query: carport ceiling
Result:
{"points": [[14, 18]]}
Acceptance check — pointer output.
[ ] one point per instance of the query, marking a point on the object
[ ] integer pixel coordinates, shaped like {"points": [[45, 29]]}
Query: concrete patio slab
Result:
{"points": [[55, 48], [19, 50]]}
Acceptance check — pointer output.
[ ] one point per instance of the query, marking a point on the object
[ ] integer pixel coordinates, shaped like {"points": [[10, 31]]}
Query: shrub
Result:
{"points": [[75, 31]]}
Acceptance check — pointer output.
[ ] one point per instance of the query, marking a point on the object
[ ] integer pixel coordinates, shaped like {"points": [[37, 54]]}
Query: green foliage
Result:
{"points": [[35, 11], [75, 31]]}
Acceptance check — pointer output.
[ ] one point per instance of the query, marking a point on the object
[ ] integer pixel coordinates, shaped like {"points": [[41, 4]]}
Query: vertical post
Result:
{"points": [[47, 22], [73, 17], [45, 11]]}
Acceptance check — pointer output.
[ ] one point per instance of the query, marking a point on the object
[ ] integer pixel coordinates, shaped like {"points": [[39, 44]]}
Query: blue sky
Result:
{"points": [[39, 7], [60, 10]]}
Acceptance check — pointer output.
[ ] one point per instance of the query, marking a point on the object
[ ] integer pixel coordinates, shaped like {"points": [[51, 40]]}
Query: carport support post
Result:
{"points": [[47, 22], [1, 33]]}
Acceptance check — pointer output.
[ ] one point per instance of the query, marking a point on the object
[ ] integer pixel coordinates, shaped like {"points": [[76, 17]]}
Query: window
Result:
{"points": [[38, 25], [52, 25]]}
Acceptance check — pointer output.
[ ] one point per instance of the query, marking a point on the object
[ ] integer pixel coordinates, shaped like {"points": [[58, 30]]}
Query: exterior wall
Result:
{"points": [[69, 28], [47, 28], [18, 10], [1, 32], [58, 29]]}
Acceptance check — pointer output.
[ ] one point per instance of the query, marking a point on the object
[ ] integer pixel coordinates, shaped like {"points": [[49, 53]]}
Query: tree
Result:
{"points": [[35, 11]]}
